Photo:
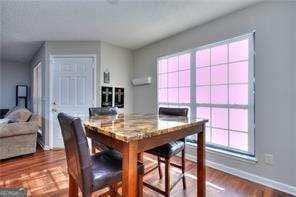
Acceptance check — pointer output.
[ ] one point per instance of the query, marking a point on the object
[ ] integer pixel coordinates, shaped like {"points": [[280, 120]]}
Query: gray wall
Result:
{"points": [[119, 62], [275, 81], [12, 74]]}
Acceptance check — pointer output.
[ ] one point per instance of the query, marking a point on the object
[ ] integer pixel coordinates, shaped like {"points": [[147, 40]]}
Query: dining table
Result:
{"points": [[132, 134]]}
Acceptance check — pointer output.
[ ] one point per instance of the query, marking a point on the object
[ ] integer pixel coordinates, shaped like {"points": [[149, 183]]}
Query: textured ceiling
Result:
{"points": [[131, 24]]}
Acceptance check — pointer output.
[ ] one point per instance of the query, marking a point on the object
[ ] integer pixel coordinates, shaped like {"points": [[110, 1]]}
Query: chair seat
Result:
{"points": [[168, 150], [107, 168]]}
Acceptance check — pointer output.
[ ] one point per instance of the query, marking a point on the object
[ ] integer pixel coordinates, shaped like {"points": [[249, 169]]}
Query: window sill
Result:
{"points": [[228, 154]]}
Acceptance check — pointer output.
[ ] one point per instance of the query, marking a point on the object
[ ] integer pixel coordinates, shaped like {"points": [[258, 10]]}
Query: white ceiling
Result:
{"points": [[131, 24]]}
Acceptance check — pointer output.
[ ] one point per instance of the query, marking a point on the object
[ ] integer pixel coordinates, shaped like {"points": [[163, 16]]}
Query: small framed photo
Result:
{"points": [[119, 97], [107, 96], [107, 77]]}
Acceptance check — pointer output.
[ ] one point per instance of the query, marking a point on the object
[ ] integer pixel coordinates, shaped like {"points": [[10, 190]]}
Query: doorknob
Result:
{"points": [[54, 107]]}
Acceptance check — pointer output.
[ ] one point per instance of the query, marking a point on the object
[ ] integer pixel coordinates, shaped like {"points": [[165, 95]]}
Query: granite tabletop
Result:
{"points": [[137, 126]]}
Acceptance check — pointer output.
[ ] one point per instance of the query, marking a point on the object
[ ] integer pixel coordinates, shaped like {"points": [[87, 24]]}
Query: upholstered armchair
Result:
{"points": [[18, 137]]}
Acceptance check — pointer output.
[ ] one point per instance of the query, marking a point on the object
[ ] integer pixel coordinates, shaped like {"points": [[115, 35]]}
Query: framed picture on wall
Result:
{"points": [[106, 77], [119, 97], [107, 96]]}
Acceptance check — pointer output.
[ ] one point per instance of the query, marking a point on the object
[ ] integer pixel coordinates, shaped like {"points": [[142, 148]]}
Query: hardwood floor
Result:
{"points": [[44, 174]]}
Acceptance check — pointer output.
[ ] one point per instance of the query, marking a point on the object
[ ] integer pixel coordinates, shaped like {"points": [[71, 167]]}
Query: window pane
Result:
{"points": [[173, 79], [204, 112], [184, 95], [184, 78], [162, 80], [203, 94], [162, 95], [238, 119], [219, 94], [219, 74], [239, 50], [219, 54], [203, 58], [220, 136], [162, 66], [173, 95], [208, 134], [184, 61], [173, 64], [203, 76], [238, 94], [220, 118], [238, 140], [238, 72]]}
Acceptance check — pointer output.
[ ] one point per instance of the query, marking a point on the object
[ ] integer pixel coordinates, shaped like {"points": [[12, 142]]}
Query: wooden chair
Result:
{"points": [[98, 111], [89, 172], [165, 152]]}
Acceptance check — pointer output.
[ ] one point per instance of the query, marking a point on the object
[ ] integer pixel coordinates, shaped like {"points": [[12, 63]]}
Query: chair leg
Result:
{"points": [[113, 190], [140, 177], [183, 169], [93, 149], [73, 187], [140, 185], [159, 168], [167, 177]]}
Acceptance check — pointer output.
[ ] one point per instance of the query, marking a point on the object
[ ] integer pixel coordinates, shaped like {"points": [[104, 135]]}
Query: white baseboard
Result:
{"points": [[251, 177]]}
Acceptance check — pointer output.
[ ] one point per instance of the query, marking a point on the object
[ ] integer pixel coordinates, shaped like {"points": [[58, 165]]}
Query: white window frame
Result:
{"points": [[251, 88]]}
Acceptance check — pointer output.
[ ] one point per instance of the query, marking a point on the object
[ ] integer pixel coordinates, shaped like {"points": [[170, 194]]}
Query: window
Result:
{"points": [[174, 80], [223, 90]]}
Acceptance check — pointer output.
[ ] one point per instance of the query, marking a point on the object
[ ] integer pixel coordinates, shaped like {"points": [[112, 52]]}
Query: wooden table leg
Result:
{"points": [[201, 169], [129, 167], [140, 177]]}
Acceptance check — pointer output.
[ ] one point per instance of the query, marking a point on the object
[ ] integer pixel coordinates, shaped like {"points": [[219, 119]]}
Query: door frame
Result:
{"points": [[95, 69]]}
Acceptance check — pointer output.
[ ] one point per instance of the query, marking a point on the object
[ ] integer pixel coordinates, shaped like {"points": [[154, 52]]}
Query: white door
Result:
{"points": [[72, 90]]}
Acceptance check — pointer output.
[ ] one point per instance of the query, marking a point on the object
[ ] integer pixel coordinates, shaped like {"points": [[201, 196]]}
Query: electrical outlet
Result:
{"points": [[268, 159]]}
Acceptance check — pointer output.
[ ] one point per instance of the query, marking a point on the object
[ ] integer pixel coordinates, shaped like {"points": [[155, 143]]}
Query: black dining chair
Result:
{"points": [[98, 111], [89, 172], [165, 152]]}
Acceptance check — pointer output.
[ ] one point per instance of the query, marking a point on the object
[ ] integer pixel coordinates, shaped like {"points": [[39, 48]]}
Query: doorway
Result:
{"points": [[37, 96], [72, 90]]}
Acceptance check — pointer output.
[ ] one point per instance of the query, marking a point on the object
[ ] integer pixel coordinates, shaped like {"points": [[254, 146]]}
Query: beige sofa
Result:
{"points": [[19, 135]]}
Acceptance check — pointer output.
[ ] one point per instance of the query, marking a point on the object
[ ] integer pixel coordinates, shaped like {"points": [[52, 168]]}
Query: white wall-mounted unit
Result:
{"points": [[141, 81]]}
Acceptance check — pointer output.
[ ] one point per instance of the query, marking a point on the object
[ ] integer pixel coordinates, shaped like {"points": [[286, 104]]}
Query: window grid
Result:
{"points": [[210, 85], [194, 105], [178, 84]]}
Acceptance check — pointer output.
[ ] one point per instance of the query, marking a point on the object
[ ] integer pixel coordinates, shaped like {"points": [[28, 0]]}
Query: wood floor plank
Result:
{"points": [[44, 173]]}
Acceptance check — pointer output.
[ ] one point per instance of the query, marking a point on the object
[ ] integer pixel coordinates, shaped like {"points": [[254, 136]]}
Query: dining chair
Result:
{"points": [[97, 111], [165, 152], [89, 172]]}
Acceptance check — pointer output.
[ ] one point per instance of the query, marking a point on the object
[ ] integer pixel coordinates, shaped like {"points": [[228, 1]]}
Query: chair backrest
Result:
{"points": [[96, 111], [77, 151], [173, 111]]}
